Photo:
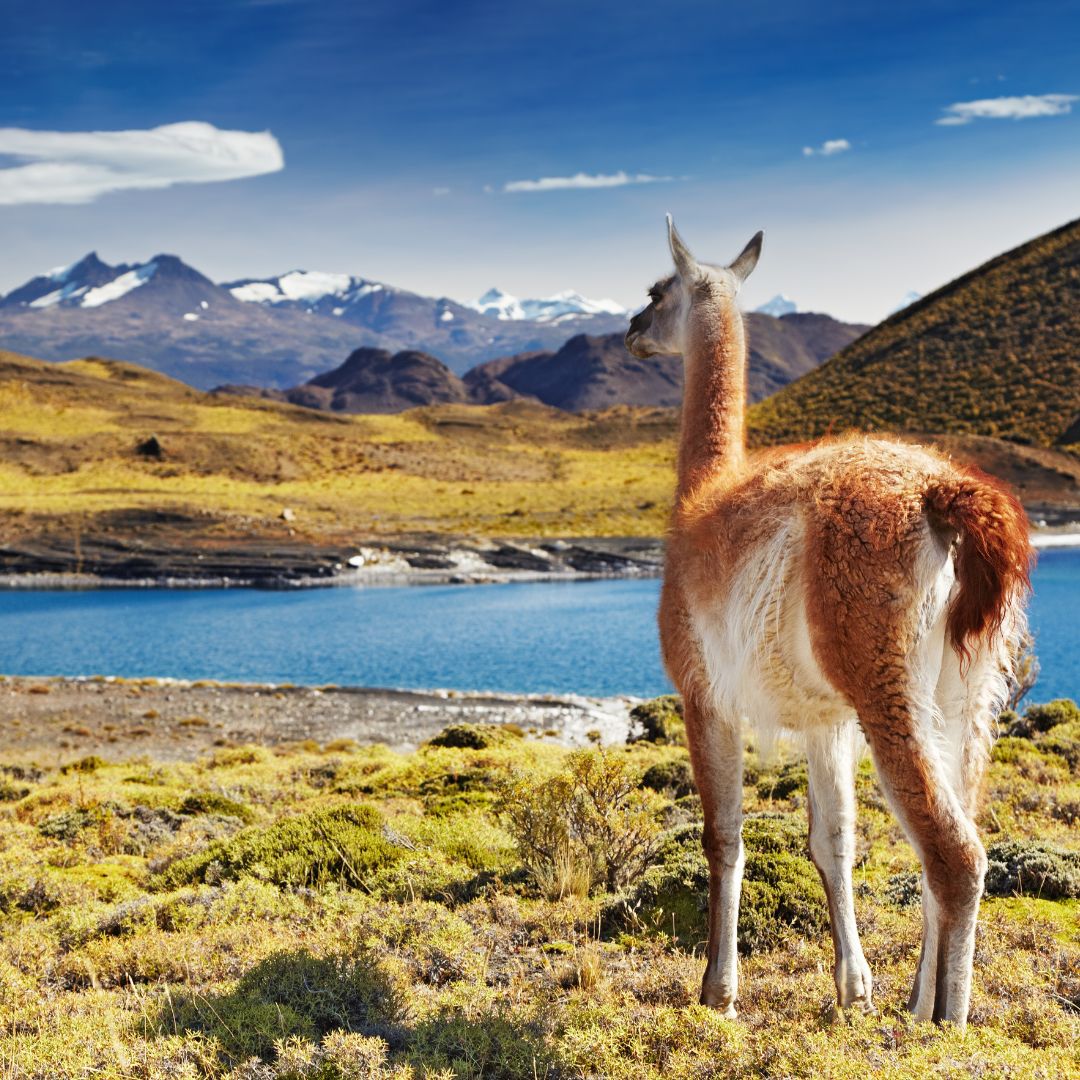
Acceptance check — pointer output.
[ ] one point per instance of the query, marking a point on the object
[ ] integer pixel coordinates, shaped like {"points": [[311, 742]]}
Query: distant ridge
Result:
{"points": [[587, 372], [995, 352]]}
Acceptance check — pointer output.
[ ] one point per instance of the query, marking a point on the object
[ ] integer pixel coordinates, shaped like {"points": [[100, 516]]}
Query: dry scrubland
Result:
{"points": [[70, 435], [73, 438], [491, 906]]}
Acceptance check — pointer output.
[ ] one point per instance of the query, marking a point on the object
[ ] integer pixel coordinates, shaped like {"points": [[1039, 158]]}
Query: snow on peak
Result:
{"points": [[907, 300], [503, 306], [119, 286], [308, 287], [780, 304]]}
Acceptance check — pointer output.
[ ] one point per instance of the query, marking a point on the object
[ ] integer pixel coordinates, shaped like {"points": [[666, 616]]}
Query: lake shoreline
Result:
{"points": [[296, 564], [58, 719], [395, 563]]}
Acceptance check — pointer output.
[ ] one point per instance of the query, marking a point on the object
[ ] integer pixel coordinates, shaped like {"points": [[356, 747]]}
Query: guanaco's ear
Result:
{"points": [[685, 263], [744, 265]]}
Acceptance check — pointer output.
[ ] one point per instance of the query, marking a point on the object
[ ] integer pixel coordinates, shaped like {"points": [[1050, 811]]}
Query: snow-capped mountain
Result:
{"points": [[165, 283], [507, 308], [273, 331], [909, 298], [312, 290], [780, 304]]}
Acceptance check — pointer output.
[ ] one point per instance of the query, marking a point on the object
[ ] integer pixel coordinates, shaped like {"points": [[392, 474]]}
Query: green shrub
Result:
{"points": [[86, 764], [295, 994], [1045, 717], [1032, 868], [789, 779], [672, 778], [1064, 740], [342, 844], [659, 721], [588, 826], [475, 736], [210, 802], [10, 792], [67, 824], [781, 889]]}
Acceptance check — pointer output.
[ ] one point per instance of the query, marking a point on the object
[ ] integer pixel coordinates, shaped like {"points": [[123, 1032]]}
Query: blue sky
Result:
{"points": [[401, 125]]}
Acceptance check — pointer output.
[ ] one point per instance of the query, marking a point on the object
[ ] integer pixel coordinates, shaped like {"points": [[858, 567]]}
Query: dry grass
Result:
{"points": [[426, 950]]}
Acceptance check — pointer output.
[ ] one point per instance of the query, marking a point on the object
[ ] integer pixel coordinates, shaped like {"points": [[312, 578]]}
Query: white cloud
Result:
{"points": [[584, 180], [440, 191], [827, 148], [1007, 108], [81, 166]]}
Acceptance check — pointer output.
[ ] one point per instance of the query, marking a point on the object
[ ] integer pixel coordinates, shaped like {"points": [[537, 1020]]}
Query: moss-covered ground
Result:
{"points": [[350, 912]]}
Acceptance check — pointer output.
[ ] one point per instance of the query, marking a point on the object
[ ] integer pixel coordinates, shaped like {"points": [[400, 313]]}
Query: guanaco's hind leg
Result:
{"points": [[716, 754], [941, 830], [831, 758], [966, 700]]}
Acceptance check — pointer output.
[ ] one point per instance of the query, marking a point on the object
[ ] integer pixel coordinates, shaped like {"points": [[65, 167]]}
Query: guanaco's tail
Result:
{"points": [[993, 564]]}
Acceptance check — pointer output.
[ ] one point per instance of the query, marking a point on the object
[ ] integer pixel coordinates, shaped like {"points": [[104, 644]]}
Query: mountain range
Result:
{"points": [[587, 372], [286, 335], [275, 331]]}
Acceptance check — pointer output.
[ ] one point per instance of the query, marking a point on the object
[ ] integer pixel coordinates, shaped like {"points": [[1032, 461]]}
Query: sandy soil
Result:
{"points": [[57, 720]]}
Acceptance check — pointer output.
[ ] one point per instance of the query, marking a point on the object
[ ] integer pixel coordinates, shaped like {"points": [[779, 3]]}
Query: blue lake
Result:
{"points": [[593, 637]]}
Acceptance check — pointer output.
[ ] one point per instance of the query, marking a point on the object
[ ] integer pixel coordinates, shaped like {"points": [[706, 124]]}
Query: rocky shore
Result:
{"points": [[57, 720], [169, 551]]}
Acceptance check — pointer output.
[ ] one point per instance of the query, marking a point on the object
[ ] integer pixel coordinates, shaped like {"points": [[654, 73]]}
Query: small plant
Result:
{"points": [[342, 844], [210, 802], [591, 825], [789, 779], [672, 778], [781, 890], [659, 721], [474, 736], [1032, 868]]}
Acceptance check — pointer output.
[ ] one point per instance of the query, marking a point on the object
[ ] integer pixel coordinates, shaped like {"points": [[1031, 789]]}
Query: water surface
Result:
{"points": [[592, 637]]}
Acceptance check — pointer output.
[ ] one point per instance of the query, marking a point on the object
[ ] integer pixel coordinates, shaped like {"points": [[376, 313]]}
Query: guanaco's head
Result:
{"points": [[660, 329]]}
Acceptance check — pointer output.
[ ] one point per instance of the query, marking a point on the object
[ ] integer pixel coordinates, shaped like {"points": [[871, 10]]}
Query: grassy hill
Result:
{"points": [[74, 443], [99, 452], [995, 352]]}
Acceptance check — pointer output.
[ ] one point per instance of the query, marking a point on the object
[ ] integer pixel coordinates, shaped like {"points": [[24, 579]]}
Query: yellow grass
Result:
{"points": [[73, 431]]}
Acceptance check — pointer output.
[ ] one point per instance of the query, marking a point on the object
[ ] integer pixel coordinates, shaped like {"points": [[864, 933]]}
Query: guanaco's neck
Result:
{"points": [[712, 440]]}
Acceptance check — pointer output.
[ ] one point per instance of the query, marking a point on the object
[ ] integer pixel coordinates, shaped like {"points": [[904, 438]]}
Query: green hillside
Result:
{"points": [[995, 352]]}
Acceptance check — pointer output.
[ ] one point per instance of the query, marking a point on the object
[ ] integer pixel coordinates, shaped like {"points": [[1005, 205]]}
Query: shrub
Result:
{"points": [[10, 792], [86, 764], [781, 889], [659, 721], [210, 802], [474, 736], [296, 994], [1063, 740], [1045, 717], [342, 844], [789, 779], [672, 778], [1032, 868], [589, 825]]}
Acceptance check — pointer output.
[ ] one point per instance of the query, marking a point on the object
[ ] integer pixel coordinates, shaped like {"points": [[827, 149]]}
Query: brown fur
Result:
{"points": [[995, 555]]}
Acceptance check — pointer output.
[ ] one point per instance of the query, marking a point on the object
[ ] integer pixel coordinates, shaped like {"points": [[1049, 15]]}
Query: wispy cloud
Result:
{"points": [[440, 191], [827, 148], [584, 180], [1007, 108], [81, 166]]}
